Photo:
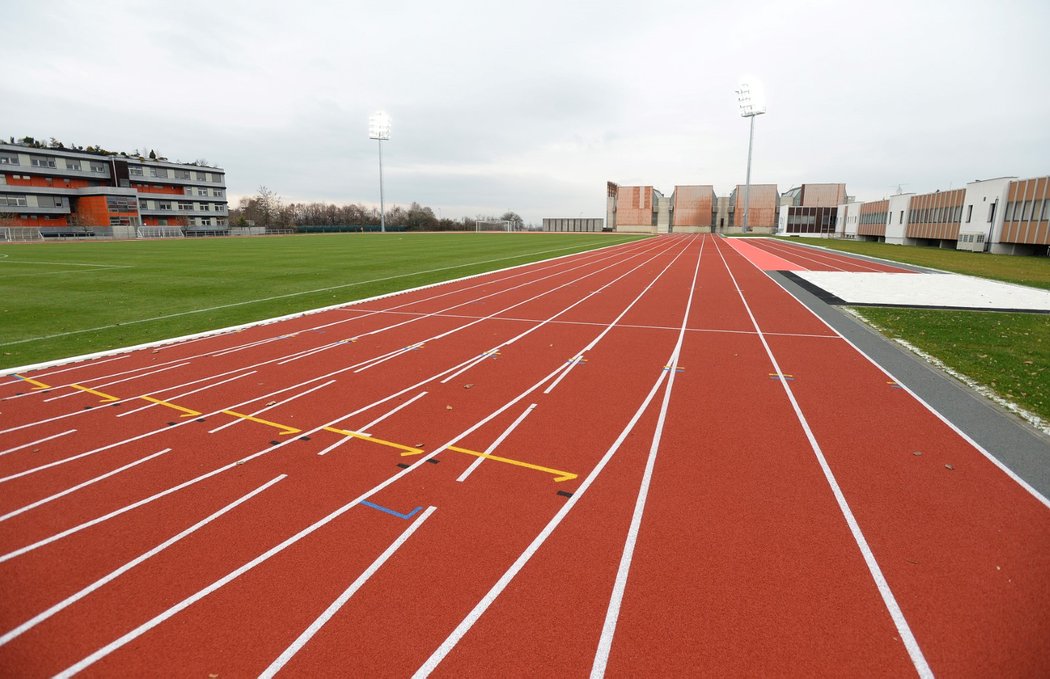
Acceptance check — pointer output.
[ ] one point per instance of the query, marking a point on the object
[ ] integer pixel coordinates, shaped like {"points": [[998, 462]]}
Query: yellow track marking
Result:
{"points": [[409, 450], [559, 474], [36, 383], [286, 430], [106, 398], [189, 413]]}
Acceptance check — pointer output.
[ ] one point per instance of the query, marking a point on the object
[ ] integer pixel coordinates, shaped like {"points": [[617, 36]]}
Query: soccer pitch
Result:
{"points": [[71, 298]]}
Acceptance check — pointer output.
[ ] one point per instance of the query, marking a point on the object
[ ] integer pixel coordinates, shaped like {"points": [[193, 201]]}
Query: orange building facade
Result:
{"points": [[73, 193]]}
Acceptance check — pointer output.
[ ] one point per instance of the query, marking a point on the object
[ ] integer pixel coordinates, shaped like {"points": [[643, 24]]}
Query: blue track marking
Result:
{"points": [[406, 517]]}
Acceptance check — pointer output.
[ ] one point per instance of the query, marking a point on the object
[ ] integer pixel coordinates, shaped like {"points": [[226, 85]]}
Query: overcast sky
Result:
{"points": [[531, 106]]}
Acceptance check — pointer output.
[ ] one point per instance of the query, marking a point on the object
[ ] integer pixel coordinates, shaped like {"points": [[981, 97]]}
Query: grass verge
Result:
{"points": [[71, 298], [1009, 353]]}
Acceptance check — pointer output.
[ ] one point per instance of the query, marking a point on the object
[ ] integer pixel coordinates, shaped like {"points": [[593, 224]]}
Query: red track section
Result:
{"points": [[646, 460]]}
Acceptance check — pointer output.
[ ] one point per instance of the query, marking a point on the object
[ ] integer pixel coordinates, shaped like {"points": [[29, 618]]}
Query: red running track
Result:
{"points": [[645, 460]]}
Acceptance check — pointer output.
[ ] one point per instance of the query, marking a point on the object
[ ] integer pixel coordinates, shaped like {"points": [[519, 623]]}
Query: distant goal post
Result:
{"points": [[491, 225]]}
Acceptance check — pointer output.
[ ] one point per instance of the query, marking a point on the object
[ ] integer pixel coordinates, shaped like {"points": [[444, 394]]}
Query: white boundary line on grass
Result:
{"points": [[298, 314]]}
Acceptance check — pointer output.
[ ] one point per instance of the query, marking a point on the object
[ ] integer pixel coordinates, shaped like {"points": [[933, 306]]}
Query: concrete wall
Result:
{"points": [[634, 208], [823, 195], [693, 208], [897, 219], [763, 200]]}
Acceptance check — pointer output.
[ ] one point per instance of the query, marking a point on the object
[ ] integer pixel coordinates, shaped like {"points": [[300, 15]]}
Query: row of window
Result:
{"points": [[121, 203], [873, 218], [936, 215], [162, 173], [12, 201], [183, 206], [1025, 210]]}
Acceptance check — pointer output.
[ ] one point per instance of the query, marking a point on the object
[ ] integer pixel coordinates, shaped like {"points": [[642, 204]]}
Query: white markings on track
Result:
{"points": [[889, 600], [38, 441], [368, 427], [193, 391], [450, 642], [496, 444], [67, 491], [126, 379], [271, 407], [612, 612], [341, 600], [70, 600], [607, 326]]}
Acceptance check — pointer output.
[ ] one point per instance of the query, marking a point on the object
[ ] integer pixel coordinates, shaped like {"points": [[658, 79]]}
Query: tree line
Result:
{"points": [[268, 209]]}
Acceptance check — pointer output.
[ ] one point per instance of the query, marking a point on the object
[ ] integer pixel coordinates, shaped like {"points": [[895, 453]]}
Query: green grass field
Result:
{"points": [[71, 298], [1010, 353], [1034, 271]]}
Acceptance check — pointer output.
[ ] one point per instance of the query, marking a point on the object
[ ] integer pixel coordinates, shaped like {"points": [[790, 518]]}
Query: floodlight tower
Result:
{"points": [[751, 105], [379, 129]]}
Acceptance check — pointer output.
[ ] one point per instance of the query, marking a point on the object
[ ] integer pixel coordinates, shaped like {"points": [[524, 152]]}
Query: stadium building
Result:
{"points": [[58, 192], [689, 209]]}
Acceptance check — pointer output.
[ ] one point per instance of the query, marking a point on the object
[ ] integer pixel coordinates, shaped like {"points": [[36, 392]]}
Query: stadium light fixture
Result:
{"points": [[379, 129], [752, 103]]}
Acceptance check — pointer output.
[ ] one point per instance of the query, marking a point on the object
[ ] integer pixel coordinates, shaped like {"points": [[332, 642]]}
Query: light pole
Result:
{"points": [[379, 129], [751, 105]]}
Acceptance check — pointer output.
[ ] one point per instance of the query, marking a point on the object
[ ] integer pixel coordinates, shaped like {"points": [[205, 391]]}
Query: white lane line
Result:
{"points": [[612, 612], [341, 600], [285, 296], [79, 366], [1042, 499], [450, 642], [37, 442], [271, 407], [73, 489], [120, 381], [496, 444], [607, 326], [461, 630], [233, 575], [889, 600], [439, 314], [110, 577], [192, 391], [368, 427]]}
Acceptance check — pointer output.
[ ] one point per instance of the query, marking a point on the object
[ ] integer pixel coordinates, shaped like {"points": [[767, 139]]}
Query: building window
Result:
{"points": [[13, 201], [969, 213], [1027, 211], [217, 193], [1037, 208], [73, 165], [134, 171], [216, 178], [202, 192], [1046, 210], [163, 205], [122, 203], [8, 159], [182, 174], [36, 161], [120, 221], [185, 206], [205, 207], [98, 167]]}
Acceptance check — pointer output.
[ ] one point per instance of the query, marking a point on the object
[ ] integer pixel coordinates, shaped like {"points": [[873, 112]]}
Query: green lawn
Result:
{"points": [[1009, 353], [71, 298], [1034, 271]]}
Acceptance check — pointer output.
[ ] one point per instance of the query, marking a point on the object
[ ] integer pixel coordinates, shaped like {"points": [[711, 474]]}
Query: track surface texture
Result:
{"points": [[646, 460]]}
